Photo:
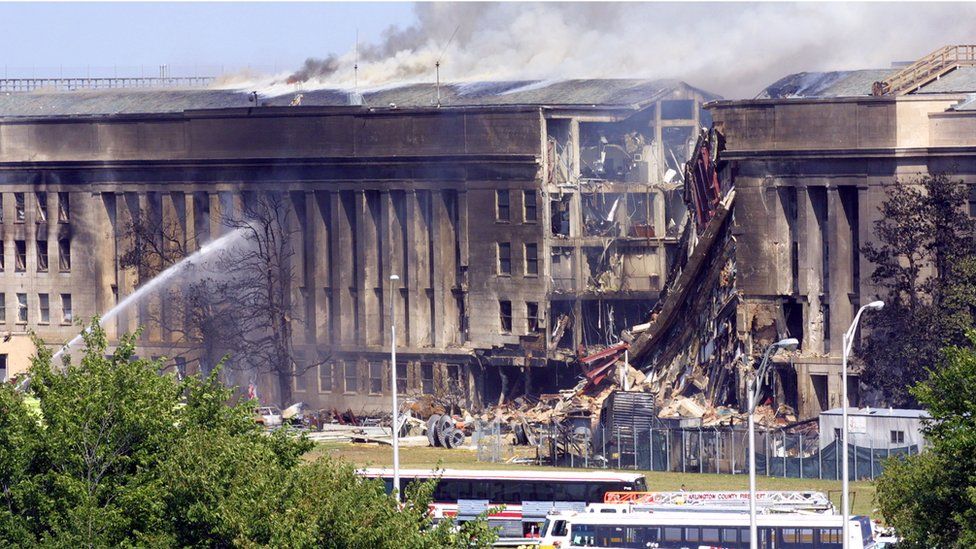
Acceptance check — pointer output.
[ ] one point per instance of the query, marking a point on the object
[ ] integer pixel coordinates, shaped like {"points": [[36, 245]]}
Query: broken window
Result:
{"points": [[819, 383], [562, 269], [64, 255], [678, 109], [3, 307], [532, 259], [640, 214], [44, 307], [42, 256], [325, 377], [600, 214], [532, 316], [375, 378], [504, 258], [21, 249], [41, 199], [502, 210], [22, 308], [505, 309], [401, 378], [427, 378], [350, 377], [19, 207], [64, 207], [529, 206], [66, 315], [559, 215], [454, 375], [678, 141]]}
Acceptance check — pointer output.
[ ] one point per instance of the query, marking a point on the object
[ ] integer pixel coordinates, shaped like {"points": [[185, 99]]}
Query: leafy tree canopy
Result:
{"points": [[115, 454], [925, 266], [930, 498]]}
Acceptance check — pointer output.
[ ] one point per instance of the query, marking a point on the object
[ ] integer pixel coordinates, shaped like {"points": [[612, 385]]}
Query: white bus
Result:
{"points": [[527, 495], [691, 530]]}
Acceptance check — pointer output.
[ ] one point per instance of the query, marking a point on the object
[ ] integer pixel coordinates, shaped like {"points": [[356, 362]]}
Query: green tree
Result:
{"points": [[925, 264], [117, 455], [930, 498]]}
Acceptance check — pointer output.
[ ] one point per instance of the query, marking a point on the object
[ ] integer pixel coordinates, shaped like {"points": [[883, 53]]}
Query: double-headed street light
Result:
{"points": [[393, 389], [789, 344], [847, 344]]}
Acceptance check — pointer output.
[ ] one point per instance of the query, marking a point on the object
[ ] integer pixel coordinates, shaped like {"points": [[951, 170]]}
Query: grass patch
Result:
{"points": [[376, 455]]}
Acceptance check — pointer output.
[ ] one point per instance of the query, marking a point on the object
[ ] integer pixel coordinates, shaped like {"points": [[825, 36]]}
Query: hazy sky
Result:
{"points": [[78, 35], [733, 49]]}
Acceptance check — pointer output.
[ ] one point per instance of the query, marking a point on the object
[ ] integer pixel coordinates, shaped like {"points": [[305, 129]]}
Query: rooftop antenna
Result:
{"points": [[437, 64]]}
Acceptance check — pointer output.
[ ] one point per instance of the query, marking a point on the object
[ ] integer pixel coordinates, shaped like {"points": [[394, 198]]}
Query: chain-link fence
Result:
{"points": [[720, 450]]}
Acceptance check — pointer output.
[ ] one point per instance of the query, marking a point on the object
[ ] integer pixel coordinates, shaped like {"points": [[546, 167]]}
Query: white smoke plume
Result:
{"points": [[734, 50]]}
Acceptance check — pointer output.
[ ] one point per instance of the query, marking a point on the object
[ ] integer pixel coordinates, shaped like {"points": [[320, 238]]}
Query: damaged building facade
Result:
{"points": [[525, 221], [784, 193]]}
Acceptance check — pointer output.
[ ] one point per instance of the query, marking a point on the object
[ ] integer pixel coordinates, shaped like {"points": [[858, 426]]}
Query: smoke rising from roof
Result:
{"points": [[731, 49]]}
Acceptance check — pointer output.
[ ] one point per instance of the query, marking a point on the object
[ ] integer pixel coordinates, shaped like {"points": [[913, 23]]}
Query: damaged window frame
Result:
{"points": [[505, 316], [533, 321], [42, 256], [427, 378]]}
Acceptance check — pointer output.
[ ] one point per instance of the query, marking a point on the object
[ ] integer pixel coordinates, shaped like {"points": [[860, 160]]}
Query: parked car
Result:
{"points": [[269, 416]]}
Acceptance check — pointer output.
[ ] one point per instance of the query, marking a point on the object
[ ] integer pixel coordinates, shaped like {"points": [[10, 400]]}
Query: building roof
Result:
{"points": [[858, 83], [879, 412], [622, 93]]}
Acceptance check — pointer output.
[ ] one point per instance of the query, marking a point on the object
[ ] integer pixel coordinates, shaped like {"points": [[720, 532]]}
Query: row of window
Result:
{"points": [[41, 249], [503, 209], [503, 254], [586, 535], [533, 322], [43, 310], [377, 372], [40, 203]]}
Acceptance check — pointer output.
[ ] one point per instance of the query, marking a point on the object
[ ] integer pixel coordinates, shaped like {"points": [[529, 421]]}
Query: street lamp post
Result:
{"points": [[393, 390], [789, 344], [846, 350]]}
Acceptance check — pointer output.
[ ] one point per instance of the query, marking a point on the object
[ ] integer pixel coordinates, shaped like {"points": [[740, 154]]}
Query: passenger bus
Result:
{"points": [[527, 495], [692, 530]]}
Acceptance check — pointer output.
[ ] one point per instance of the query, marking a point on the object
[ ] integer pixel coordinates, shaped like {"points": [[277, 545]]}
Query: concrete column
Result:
{"points": [[320, 212], [367, 278], [343, 265], [839, 263], [386, 236], [216, 215], [810, 263]]}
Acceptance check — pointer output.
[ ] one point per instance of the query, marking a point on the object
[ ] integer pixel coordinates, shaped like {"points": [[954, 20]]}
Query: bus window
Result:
{"points": [[830, 537], [692, 534], [583, 534], [866, 533], [639, 485], [729, 535], [546, 491], [709, 534], [446, 490], [672, 534], [559, 528]]}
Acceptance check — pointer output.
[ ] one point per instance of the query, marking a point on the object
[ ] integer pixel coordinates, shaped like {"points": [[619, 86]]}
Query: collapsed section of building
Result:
{"points": [[528, 222], [784, 192]]}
